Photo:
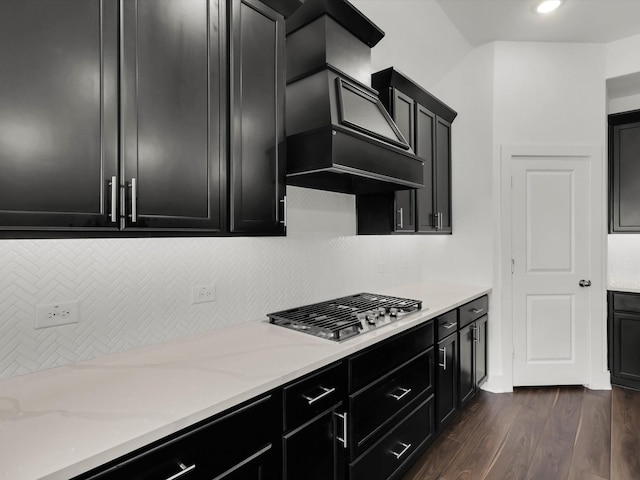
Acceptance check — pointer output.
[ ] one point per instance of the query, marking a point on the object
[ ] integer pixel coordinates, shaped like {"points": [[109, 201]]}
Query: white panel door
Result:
{"points": [[550, 247]]}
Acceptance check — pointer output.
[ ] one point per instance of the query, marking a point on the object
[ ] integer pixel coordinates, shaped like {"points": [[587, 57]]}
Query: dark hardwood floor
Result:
{"points": [[550, 433]]}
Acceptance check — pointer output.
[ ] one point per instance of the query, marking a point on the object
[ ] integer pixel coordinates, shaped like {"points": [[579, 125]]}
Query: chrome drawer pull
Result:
{"points": [[344, 439], [401, 224], [444, 358], [405, 392], [449, 325], [476, 310], [183, 469], [326, 391], [406, 447]]}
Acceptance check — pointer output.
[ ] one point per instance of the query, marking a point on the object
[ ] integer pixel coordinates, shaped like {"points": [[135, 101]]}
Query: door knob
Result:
{"points": [[585, 283]]}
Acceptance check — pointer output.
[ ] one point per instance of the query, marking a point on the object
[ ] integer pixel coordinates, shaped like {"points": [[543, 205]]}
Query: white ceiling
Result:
{"points": [[584, 21]]}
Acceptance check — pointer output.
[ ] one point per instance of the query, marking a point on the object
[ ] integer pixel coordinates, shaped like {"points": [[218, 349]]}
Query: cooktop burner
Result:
{"points": [[345, 317]]}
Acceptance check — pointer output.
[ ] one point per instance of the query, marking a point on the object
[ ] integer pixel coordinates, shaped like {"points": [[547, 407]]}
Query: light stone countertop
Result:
{"points": [[61, 422], [624, 288]]}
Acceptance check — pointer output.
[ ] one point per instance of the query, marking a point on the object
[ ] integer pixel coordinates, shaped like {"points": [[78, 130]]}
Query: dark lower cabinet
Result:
{"points": [[226, 447], [473, 359], [393, 453], [624, 172], [315, 424], [624, 338], [313, 451], [58, 114], [391, 404], [447, 381]]}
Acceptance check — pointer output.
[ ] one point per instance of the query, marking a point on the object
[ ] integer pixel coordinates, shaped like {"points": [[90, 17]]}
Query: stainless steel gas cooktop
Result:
{"points": [[346, 317]]}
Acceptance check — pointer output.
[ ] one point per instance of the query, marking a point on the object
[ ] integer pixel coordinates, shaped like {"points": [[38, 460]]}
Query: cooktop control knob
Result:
{"points": [[393, 311]]}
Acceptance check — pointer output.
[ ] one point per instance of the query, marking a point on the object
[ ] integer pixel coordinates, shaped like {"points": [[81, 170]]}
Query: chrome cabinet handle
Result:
{"points": [[476, 310], [405, 448], [444, 358], [449, 325], [474, 329], [284, 211], [401, 212], [114, 192], [325, 392], [183, 470], [584, 283], [405, 392], [134, 200], [344, 439]]}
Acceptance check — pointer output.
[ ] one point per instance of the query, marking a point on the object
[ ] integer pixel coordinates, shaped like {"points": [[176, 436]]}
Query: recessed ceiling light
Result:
{"points": [[548, 6]]}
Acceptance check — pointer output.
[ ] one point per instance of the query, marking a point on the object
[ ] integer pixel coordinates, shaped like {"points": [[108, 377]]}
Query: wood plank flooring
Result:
{"points": [[550, 433]]}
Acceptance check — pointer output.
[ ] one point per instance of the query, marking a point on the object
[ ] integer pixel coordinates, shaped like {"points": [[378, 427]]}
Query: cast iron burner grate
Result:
{"points": [[345, 317]]}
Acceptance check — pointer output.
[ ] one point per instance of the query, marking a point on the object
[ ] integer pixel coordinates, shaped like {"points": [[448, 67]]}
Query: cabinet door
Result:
{"points": [[467, 364], [447, 381], [172, 112], [480, 354], [625, 177], [311, 452], [257, 119], [442, 175], [626, 360], [403, 112], [58, 113], [425, 133]]}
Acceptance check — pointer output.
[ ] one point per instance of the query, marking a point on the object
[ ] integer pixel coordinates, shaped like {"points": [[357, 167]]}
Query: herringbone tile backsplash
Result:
{"points": [[135, 292]]}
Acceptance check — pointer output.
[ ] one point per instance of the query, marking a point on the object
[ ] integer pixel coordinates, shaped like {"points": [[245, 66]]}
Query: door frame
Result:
{"points": [[599, 378]]}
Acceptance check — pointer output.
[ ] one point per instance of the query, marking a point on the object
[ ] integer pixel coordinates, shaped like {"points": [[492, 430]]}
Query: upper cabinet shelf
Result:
{"points": [[115, 118]]}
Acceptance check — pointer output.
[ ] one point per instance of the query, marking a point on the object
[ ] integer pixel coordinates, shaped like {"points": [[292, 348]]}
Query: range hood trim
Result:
{"points": [[344, 169], [341, 84]]}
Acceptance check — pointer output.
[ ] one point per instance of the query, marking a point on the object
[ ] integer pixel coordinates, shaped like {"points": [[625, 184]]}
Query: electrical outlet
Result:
{"points": [[54, 314], [203, 294]]}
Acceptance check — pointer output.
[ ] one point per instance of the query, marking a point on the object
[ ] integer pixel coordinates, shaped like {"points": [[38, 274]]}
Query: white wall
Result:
{"points": [[622, 57], [420, 39]]}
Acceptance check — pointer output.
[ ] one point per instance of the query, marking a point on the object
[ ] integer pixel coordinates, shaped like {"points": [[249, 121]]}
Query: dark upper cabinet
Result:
{"points": [[172, 105], [442, 177], [58, 114], [426, 124], [624, 172], [424, 148], [148, 117], [257, 165], [403, 110]]}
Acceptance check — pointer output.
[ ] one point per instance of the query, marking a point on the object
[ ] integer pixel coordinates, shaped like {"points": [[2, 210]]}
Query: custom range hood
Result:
{"points": [[339, 136]]}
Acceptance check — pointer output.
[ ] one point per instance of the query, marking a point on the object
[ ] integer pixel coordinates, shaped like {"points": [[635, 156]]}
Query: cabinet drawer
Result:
{"points": [[374, 362], [377, 406], [306, 398], [626, 302], [214, 449], [447, 324], [390, 453], [473, 310]]}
